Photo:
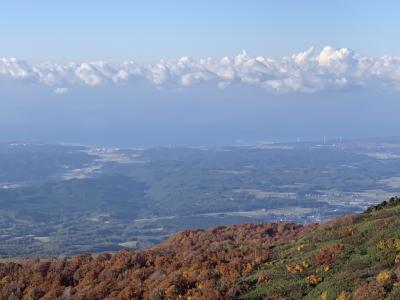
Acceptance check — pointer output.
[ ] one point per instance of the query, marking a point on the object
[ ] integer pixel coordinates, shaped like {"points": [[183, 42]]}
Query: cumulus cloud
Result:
{"points": [[305, 72]]}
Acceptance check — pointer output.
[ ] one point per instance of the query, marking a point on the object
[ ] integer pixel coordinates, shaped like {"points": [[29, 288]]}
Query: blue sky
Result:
{"points": [[145, 73], [152, 30]]}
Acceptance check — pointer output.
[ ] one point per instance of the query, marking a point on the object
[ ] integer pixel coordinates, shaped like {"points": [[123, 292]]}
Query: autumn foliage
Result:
{"points": [[191, 265], [327, 256], [349, 258]]}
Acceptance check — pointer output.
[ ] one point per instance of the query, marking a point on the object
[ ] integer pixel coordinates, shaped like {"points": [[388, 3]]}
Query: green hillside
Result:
{"points": [[355, 257]]}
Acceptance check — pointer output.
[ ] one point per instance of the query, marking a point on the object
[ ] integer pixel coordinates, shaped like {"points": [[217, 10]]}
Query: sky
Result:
{"points": [[149, 73], [153, 30]]}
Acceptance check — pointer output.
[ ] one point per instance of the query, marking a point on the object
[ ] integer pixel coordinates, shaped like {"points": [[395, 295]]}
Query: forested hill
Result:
{"points": [[355, 257]]}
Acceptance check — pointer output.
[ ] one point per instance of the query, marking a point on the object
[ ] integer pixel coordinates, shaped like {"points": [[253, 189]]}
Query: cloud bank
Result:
{"points": [[305, 72]]}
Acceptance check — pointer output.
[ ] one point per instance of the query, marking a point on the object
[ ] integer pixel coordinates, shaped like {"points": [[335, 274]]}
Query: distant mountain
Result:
{"points": [[354, 257]]}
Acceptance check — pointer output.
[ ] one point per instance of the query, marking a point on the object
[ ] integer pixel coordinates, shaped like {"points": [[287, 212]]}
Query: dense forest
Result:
{"points": [[354, 257]]}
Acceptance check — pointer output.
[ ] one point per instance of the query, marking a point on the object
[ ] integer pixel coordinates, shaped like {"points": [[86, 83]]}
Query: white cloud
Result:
{"points": [[305, 72]]}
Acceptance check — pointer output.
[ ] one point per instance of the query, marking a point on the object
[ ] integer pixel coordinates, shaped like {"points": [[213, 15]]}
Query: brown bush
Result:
{"points": [[327, 256], [370, 291]]}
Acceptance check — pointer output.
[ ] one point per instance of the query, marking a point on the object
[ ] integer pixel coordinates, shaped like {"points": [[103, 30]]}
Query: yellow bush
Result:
{"points": [[305, 264], [295, 268], [314, 280], [344, 296], [397, 258], [384, 276], [324, 296], [381, 244], [389, 244], [300, 248]]}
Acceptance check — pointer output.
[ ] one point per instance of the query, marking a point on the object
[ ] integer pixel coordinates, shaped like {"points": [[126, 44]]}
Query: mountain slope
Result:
{"points": [[355, 257]]}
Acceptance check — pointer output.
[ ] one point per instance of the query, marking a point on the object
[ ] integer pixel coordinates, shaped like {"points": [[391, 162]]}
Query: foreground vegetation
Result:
{"points": [[355, 257]]}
